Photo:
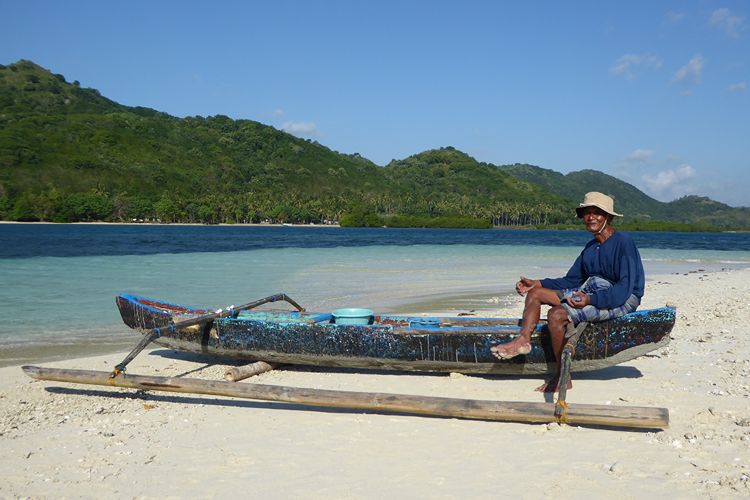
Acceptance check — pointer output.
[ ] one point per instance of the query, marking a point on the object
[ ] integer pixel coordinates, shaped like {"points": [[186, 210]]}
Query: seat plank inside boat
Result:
{"points": [[285, 316]]}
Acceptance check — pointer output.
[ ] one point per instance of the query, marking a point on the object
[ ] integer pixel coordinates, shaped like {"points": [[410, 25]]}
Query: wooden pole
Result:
{"points": [[155, 333], [561, 404], [237, 373], [578, 414]]}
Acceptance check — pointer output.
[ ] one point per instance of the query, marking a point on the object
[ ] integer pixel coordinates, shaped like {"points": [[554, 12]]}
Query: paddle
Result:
{"points": [[221, 313]]}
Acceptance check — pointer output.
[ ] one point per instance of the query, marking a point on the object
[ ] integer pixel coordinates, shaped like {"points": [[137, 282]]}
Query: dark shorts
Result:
{"points": [[592, 313]]}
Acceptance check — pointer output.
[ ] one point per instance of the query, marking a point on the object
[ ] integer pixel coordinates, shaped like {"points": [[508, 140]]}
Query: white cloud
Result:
{"points": [[691, 72], [737, 87], [723, 20], [300, 128], [673, 182], [675, 17], [277, 112], [640, 155], [626, 64]]}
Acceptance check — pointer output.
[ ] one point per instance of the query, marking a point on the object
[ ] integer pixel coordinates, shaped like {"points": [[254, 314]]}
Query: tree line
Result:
{"points": [[349, 209]]}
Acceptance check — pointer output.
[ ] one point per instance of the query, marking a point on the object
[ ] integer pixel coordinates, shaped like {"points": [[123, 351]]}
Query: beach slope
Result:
{"points": [[61, 440]]}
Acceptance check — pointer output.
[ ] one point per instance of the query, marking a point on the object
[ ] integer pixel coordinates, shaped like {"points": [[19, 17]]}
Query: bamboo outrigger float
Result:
{"points": [[385, 342], [577, 414]]}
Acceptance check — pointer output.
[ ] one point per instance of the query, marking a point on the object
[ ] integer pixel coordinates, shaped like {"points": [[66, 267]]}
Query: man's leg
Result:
{"points": [[557, 322], [531, 312]]}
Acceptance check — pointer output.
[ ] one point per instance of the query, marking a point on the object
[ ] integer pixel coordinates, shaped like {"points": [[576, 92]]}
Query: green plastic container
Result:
{"points": [[352, 316]]}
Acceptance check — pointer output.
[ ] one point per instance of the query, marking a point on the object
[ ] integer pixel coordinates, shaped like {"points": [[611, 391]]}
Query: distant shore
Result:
{"points": [[101, 223], [313, 225]]}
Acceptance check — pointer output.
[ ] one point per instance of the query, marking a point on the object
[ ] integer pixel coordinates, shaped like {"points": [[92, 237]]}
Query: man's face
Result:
{"points": [[594, 219]]}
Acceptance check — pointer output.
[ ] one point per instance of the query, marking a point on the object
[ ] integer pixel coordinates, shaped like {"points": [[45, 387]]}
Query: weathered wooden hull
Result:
{"points": [[436, 344]]}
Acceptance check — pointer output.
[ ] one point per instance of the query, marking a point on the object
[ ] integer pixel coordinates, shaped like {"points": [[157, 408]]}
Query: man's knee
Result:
{"points": [[557, 315], [535, 295]]}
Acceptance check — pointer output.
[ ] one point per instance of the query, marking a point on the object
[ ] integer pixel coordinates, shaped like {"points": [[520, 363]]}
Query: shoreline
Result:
{"points": [[64, 440], [479, 304], [102, 223], [312, 225]]}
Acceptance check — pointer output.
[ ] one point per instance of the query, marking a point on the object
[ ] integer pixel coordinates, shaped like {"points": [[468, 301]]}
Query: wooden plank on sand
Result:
{"points": [[577, 414], [237, 373]]}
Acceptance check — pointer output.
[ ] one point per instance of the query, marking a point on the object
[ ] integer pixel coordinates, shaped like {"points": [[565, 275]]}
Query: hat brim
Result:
{"points": [[582, 206]]}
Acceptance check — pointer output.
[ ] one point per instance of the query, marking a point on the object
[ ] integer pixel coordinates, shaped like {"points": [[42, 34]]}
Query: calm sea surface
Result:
{"points": [[58, 282]]}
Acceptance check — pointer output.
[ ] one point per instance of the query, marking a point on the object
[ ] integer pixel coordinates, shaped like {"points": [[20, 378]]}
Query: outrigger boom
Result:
{"points": [[577, 414]]}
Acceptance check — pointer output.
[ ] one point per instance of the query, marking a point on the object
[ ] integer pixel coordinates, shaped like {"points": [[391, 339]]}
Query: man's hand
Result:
{"points": [[579, 300], [525, 284]]}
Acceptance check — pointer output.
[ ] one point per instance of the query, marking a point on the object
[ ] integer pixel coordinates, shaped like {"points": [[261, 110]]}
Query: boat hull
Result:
{"points": [[410, 343]]}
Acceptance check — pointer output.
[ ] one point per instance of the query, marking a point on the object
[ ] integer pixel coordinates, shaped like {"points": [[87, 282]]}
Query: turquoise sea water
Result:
{"points": [[53, 306]]}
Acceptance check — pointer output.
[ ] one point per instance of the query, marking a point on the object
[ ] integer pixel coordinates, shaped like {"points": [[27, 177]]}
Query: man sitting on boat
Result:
{"points": [[605, 282]]}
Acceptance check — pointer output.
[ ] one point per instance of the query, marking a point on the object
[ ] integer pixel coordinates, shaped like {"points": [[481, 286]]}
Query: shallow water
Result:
{"points": [[53, 306]]}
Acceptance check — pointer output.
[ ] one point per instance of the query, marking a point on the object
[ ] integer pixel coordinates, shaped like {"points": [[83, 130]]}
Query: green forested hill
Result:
{"points": [[699, 209], [630, 201], [574, 185], [69, 154], [66, 153], [437, 182]]}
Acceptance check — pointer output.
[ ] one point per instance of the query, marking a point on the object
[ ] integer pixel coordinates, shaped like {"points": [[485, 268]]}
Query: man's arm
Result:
{"points": [[573, 279]]}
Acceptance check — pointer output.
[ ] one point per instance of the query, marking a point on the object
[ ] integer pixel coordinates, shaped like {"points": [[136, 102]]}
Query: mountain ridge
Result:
{"points": [[629, 200], [68, 153]]}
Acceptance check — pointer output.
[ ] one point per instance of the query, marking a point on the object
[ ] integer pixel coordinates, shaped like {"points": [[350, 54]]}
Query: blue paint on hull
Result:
{"points": [[442, 344]]}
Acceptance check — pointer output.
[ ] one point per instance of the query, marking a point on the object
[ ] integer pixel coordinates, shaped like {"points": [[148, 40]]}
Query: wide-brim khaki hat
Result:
{"points": [[599, 200]]}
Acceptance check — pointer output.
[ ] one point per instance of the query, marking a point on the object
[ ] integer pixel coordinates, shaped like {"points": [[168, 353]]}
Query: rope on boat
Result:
{"points": [[561, 412]]}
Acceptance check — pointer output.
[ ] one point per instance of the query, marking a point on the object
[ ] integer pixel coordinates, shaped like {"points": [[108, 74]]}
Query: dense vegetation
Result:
{"points": [[642, 212], [69, 154]]}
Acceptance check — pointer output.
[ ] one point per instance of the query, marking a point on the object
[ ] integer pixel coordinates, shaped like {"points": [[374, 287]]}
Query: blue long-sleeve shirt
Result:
{"points": [[617, 260]]}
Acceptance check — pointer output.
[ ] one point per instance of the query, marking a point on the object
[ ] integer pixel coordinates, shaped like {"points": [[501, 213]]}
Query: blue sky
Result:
{"points": [[655, 93]]}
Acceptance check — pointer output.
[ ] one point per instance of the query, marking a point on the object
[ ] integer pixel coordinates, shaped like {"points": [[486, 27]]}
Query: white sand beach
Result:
{"points": [[62, 440]]}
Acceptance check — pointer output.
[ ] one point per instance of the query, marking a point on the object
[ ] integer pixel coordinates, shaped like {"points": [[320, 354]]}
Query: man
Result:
{"points": [[605, 282]]}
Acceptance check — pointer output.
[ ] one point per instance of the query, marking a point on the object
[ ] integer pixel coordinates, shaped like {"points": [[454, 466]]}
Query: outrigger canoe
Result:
{"points": [[438, 344], [411, 343]]}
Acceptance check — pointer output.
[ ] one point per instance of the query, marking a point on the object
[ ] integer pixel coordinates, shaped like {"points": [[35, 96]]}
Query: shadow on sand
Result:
{"points": [[610, 373]]}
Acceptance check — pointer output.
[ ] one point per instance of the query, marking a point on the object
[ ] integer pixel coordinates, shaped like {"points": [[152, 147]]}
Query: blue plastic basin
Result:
{"points": [[352, 316]]}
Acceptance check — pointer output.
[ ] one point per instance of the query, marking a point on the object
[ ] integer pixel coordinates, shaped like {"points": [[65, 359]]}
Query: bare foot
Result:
{"points": [[552, 385], [515, 347]]}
